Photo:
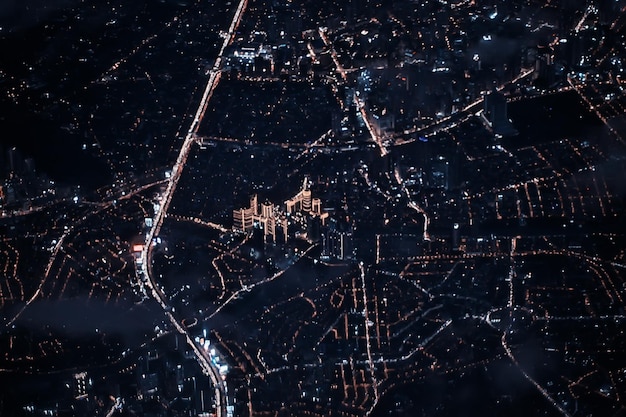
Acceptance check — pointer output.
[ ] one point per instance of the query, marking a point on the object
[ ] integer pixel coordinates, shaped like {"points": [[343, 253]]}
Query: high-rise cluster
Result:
{"points": [[275, 221]]}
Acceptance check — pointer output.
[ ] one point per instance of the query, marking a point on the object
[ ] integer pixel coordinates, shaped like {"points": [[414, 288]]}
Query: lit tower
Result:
{"points": [[306, 200], [316, 206], [254, 205]]}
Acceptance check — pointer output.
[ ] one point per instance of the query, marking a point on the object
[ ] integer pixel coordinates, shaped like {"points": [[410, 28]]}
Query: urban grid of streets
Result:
{"points": [[366, 304], [383, 143]]}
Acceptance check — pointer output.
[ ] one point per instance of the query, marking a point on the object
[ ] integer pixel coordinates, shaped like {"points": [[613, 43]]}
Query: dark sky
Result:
{"points": [[17, 14]]}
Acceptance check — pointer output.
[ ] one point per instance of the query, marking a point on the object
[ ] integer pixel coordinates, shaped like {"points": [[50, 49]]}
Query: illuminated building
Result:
{"points": [[303, 201], [293, 206], [275, 223], [439, 173], [456, 236], [306, 200], [316, 206], [254, 205], [243, 219], [337, 242], [267, 210], [137, 250], [269, 228], [82, 384]]}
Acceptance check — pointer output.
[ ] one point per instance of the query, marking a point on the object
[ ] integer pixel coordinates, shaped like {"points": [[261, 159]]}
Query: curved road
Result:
{"points": [[221, 398]]}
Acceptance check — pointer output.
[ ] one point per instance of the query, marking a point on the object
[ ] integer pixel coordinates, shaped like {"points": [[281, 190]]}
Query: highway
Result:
{"points": [[221, 397], [455, 119], [368, 343]]}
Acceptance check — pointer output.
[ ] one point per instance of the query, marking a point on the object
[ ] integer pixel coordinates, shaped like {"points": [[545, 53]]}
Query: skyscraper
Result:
{"points": [[14, 159], [495, 113], [337, 242], [243, 219]]}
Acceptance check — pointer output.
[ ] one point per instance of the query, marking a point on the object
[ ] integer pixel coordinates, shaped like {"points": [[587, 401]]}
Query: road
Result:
{"points": [[530, 379], [368, 344], [221, 397], [378, 139], [455, 119]]}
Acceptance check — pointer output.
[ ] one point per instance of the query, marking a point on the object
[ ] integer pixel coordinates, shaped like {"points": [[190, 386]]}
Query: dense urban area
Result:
{"points": [[270, 208]]}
